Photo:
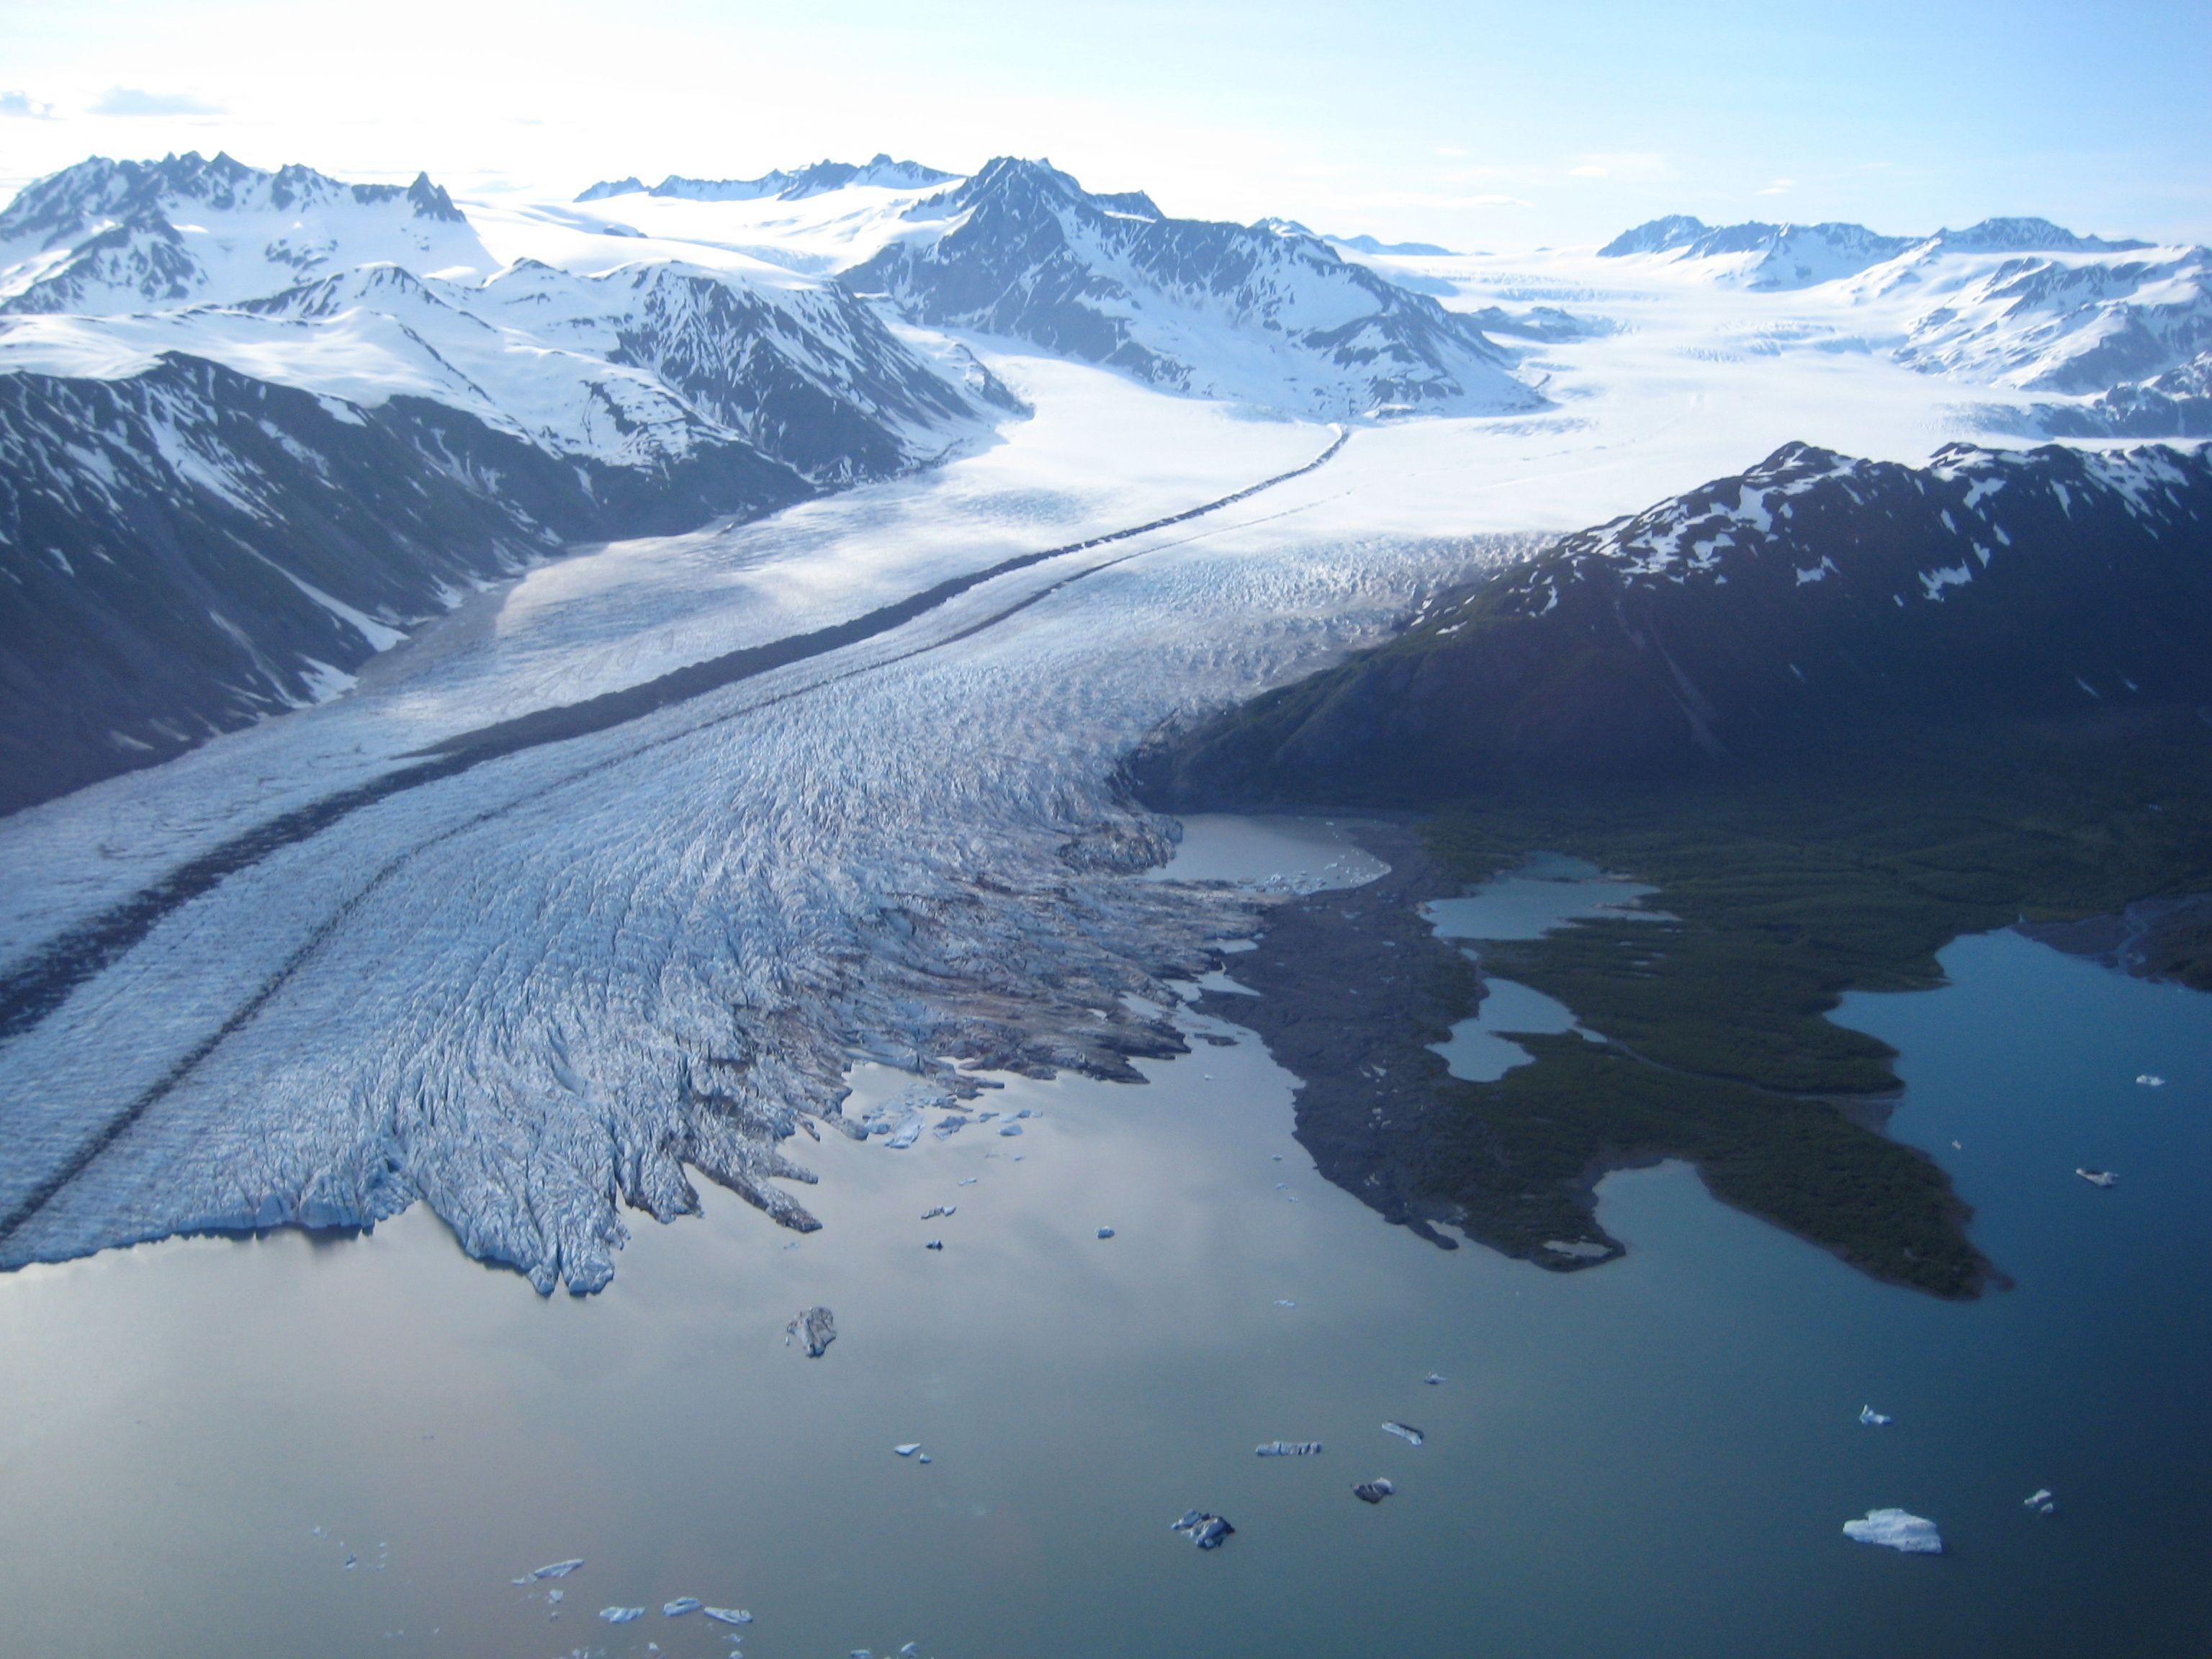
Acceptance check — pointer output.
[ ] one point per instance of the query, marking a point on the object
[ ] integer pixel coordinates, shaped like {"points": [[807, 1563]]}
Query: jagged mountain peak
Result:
{"points": [[1787, 256], [880, 172], [1266, 314], [1767, 255], [1020, 181], [2028, 236], [106, 237], [64, 205]]}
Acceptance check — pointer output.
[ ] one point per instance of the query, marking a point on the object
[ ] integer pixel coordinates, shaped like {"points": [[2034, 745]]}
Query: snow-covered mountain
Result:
{"points": [[1268, 313], [185, 549], [480, 414], [881, 173], [1812, 596], [104, 236], [1760, 256], [1756, 255], [2121, 328]]}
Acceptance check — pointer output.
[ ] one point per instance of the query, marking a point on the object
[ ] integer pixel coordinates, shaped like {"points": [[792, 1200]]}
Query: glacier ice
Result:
{"points": [[566, 982]]}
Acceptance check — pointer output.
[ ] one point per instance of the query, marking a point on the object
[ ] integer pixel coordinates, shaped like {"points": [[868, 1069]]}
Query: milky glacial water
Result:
{"points": [[1654, 1457]]}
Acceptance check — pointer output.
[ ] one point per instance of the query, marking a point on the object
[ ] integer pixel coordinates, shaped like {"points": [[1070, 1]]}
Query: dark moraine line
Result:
{"points": [[43, 981], [107, 1134]]}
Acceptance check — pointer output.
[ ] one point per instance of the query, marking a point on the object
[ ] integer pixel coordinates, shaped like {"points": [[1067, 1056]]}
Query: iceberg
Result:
{"points": [[820, 1327], [2151, 1080], [1373, 1491], [2042, 1501], [728, 1615], [2098, 1177], [680, 1606], [622, 1615], [909, 1449], [1405, 1431], [1874, 1419], [1896, 1530], [1105, 1233], [1206, 1531], [1289, 1449], [559, 1569]]}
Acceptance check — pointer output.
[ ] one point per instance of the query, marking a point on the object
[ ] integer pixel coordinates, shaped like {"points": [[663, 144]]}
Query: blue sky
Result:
{"points": [[1476, 125]]}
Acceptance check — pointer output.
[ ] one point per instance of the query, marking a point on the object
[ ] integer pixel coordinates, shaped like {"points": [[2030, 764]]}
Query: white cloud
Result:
{"points": [[131, 100], [23, 105], [1778, 187], [1620, 164]]}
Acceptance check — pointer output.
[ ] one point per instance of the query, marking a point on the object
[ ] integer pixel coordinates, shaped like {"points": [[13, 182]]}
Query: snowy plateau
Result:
{"points": [[870, 514]]}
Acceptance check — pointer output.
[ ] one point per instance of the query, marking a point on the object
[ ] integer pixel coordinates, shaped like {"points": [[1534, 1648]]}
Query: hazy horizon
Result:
{"points": [[1472, 125]]}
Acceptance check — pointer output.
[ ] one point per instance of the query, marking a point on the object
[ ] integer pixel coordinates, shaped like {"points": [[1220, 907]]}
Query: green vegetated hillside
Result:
{"points": [[1839, 713], [1848, 870]]}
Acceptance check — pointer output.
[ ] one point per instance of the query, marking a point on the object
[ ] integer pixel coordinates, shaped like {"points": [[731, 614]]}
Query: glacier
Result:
{"points": [[554, 987]]}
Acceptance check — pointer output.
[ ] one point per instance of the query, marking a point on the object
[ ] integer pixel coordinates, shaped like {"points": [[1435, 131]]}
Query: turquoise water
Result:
{"points": [[1652, 1458]]}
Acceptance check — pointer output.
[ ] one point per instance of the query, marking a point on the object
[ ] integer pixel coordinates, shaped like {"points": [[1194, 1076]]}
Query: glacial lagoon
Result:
{"points": [[1654, 1458]]}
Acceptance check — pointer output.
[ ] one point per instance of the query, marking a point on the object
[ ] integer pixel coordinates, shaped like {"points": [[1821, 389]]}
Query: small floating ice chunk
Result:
{"points": [[1405, 1431], [819, 1327], [1373, 1491], [1105, 1233], [1289, 1449], [622, 1615], [1433, 1379], [554, 1598], [728, 1615], [2151, 1080], [1206, 1531], [1010, 1129], [965, 1181], [1874, 1419], [910, 1650], [558, 1570], [924, 1458], [937, 1210], [680, 1606], [1896, 1530], [350, 1559], [934, 1244], [1285, 1301], [909, 1449], [2098, 1177], [2042, 1501]]}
